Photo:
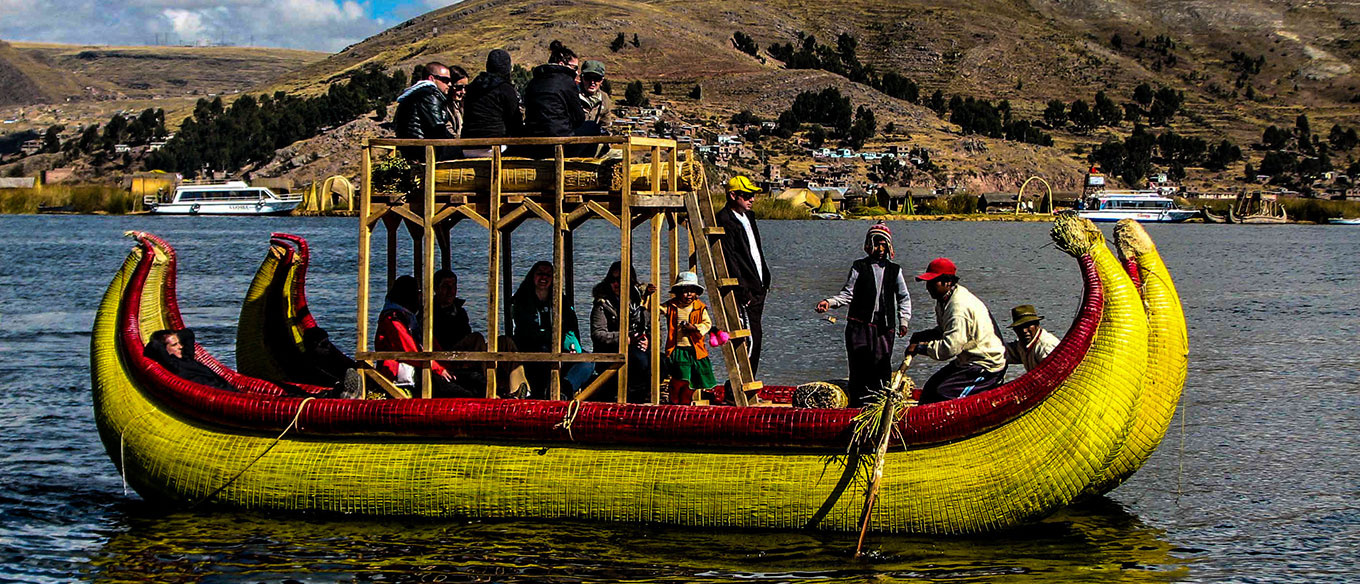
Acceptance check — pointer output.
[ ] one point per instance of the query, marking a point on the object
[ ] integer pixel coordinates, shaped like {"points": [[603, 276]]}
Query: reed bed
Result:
{"points": [[85, 199], [1299, 209], [778, 209]]}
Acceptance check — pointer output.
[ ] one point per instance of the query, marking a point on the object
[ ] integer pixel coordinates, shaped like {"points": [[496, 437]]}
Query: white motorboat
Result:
{"points": [[1141, 206], [1340, 221], [229, 198]]}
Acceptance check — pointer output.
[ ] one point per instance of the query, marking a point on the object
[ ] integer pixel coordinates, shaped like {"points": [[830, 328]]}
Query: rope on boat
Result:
{"points": [[257, 458], [573, 408]]}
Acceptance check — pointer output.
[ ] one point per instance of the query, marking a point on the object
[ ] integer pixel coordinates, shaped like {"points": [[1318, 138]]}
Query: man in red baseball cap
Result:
{"points": [[965, 332]]}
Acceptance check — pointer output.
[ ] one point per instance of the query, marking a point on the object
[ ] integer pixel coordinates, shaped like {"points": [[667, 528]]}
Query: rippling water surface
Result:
{"points": [[1256, 480]]}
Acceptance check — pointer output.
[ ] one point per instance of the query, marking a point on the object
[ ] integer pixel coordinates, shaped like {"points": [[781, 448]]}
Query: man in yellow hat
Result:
{"points": [[745, 258]]}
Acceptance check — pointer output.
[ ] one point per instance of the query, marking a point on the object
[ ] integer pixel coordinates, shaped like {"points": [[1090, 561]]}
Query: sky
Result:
{"points": [[318, 25]]}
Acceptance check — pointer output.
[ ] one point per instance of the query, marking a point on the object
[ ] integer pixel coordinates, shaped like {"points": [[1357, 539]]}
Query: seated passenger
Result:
{"points": [[531, 317], [174, 350], [552, 104], [491, 108], [965, 332], [604, 329], [396, 330], [327, 364], [453, 332], [1034, 343]]}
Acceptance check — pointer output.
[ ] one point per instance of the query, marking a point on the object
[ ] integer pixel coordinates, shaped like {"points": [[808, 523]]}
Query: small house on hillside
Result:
{"points": [[892, 198], [996, 202]]}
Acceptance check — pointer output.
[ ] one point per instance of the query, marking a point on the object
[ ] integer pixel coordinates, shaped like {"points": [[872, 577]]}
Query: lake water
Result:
{"points": [[1256, 480]]}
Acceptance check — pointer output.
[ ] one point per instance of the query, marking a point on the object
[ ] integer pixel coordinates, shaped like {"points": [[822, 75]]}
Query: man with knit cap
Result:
{"points": [[876, 292], [964, 332], [491, 107]]}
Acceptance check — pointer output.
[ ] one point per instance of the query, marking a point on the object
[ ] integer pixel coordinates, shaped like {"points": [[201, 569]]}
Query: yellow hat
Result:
{"points": [[741, 184]]}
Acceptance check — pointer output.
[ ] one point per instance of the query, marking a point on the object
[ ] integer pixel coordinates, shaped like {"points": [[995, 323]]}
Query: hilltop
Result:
{"points": [[1241, 66], [1025, 52]]}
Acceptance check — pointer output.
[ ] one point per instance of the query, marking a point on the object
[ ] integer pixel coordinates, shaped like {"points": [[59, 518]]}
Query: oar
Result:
{"points": [[890, 401]]}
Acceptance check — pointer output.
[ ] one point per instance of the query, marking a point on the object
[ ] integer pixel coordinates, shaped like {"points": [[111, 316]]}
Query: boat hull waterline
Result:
{"points": [[984, 475]]}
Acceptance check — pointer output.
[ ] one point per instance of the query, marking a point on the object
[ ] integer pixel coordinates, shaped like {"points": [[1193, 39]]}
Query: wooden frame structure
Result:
{"points": [[430, 215]]}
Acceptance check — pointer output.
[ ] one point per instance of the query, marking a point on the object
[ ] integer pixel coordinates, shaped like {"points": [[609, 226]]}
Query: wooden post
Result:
{"points": [[625, 263], [494, 267], [365, 240], [559, 257], [654, 309], [427, 275]]}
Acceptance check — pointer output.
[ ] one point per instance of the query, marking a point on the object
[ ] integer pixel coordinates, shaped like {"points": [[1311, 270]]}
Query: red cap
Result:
{"points": [[938, 267]]}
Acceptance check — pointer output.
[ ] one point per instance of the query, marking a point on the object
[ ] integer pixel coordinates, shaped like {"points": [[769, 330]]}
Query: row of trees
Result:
{"points": [[1156, 107], [1132, 158], [1297, 157], [220, 138]]}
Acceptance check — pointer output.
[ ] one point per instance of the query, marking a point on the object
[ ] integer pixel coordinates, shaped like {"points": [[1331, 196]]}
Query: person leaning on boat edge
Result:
{"points": [[965, 332], [876, 292], [745, 258], [1033, 343], [423, 113], [174, 350]]}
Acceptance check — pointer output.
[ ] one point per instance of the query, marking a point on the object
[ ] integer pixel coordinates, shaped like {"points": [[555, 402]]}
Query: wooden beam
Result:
{"points": [[559, 253], [365, 249], [497, 356], [625, 265], [594, 385], [654, 311], [604, 212], [493, 260], [427, 274], [385, 384], [484, 142]]}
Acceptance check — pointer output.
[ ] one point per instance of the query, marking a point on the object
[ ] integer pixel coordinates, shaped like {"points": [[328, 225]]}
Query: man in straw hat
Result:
{"points": [[964, 332], [745, 258], [1034, 343], [876, 292]]}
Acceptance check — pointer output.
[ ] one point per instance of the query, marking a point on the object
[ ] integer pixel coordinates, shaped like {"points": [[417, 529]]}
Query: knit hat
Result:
{"points": [[686, 279], [498, 62], [879, 231]]}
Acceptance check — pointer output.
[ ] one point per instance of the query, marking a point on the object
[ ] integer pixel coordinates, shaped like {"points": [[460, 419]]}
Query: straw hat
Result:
{"points": [[687, 279]]}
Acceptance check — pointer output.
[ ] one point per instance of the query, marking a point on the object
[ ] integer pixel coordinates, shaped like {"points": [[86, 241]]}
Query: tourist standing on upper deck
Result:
{"points": [[491, 108], [531, 318], [552, 102], [965, 332], [604, 328], [876, 292], [1033, 343], [745, 258], [423, 113]]}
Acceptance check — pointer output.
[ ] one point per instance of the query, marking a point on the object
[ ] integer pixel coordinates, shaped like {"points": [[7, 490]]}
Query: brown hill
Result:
{"points": [[1025, 52], [26, 81]]}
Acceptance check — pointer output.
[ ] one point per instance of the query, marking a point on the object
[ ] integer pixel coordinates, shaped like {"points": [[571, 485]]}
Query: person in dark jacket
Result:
{"points": [[876, 292], [175, 351], [604, 329], [423, 112], [491, 108], [745, 258], [552, 102], [531, 314]]}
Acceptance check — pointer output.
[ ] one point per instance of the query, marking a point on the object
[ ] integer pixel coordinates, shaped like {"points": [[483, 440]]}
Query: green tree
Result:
{"points": [[863, 128], [745, 43], [937, 103], [656, 88], [633, 95], [816, 136], [52, 138], [636, 42], [1106, 111], [1274, 138], [1055, 114], [1082, 118], [1143, 94], [697, 93], [619, 42]]}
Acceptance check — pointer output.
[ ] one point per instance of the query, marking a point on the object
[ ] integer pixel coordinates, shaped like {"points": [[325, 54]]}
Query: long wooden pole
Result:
{"points": [[494, 267], [559, 257], [365, 241], [426, 256]]}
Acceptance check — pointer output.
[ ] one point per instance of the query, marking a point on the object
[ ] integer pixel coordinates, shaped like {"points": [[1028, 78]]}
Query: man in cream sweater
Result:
{"points": [[965, 332]]}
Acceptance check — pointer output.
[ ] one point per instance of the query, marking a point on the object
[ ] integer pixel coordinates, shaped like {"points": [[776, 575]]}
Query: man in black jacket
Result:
{"points": [[491, 109], [423, 112], [745, 258]]}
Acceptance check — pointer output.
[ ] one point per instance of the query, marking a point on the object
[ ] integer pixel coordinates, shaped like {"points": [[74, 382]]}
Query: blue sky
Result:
{"points": [[320, 25]]}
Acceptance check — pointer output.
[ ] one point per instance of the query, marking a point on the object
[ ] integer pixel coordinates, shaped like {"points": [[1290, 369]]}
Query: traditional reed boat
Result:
{"points": [[1078, 424]]}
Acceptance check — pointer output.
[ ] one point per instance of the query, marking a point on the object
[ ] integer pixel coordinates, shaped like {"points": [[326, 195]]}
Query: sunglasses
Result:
{"points": [[442, 78], [747, 196], [592, 78]]}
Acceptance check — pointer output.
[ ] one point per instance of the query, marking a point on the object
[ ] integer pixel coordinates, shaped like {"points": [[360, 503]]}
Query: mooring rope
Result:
{"points": [[573, 408], [271, 446]]}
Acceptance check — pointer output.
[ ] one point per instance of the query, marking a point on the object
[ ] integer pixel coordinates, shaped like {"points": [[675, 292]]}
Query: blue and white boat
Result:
{"points": [[229, 198], [1141, 206]]}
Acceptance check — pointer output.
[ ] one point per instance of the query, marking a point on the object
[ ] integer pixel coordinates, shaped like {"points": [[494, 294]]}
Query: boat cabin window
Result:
{"points": [[238, 195], [1138, 204]]}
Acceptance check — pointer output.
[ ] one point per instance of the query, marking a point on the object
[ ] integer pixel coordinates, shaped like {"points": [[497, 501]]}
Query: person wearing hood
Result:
{"points": [[397, 325], [423, 112], [175, 351], [604, 328], [876, 292], [491, 108], [552, 101]]}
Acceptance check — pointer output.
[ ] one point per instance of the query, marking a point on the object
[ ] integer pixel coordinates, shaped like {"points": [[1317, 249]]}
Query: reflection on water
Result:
{"points": [[1099, 542], [1256, 480]]}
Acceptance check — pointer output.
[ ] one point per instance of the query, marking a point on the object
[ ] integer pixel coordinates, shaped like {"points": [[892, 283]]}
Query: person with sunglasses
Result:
{"points": [[423, 112], [745, 258], [552, 103], [599, 107]]}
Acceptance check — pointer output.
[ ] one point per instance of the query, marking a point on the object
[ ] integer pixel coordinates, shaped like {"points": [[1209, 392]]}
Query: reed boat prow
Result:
{"points": [[981, 463]]}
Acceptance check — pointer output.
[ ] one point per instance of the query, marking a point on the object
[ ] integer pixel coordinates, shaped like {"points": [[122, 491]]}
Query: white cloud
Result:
{"points": [[324, 25]]}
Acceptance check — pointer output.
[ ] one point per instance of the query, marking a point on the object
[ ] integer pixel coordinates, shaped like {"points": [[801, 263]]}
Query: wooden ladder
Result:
{"points": [[707, 238]]}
